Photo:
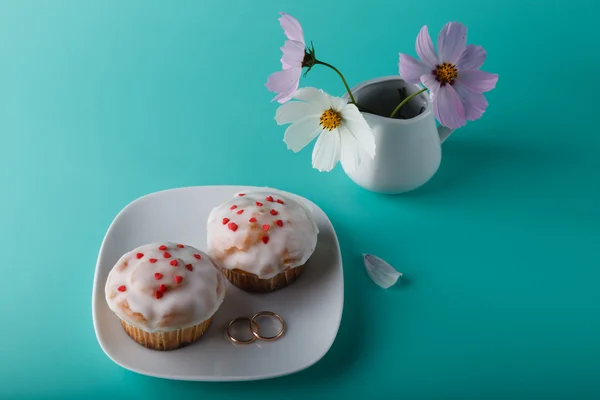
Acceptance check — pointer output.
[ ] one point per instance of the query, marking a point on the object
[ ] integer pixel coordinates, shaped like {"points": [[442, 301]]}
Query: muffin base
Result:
{"points": [[252, 283], [167, 340]]}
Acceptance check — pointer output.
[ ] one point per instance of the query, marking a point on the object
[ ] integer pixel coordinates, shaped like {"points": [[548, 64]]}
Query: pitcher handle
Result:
{"points": [[444, 132]]}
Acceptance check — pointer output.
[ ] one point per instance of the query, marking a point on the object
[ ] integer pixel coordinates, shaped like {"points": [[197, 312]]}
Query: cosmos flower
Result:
{"points": [[452, 75], [343, 133], [294, 59]]}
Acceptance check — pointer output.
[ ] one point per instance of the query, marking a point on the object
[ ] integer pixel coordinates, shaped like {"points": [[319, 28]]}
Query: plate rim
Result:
{"points": [[198, 378]]}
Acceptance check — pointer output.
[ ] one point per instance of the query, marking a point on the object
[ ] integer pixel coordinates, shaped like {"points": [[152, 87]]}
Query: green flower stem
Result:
{"points": [[403, 102], [341, 76]]}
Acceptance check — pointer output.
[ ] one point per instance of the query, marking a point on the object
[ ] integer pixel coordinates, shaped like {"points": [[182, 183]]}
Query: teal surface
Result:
{"points": [[102, 102]]}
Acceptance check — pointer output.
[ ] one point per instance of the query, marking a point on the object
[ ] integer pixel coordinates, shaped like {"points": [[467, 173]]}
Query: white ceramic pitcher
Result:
{"points": [[408, 151]]}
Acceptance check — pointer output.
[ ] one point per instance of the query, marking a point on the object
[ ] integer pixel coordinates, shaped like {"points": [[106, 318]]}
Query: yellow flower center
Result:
{"points": [[445, 73], [330, 119]]}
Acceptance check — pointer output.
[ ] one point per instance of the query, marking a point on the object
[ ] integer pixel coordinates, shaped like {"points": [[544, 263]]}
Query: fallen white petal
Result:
{"points": [[382, 273]]}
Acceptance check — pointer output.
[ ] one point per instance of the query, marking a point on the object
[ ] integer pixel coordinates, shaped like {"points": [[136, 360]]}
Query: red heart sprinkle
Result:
{"points": [[163, 247], [225, 220], [239, 212], [266, 227], [279, 222], [241, 194], [270, 198], [265, 239], [280, 201], [163, 287], [274, 212], [258, 203], [189, 266], [178, 278], [139, 255], [158, 275], [174, 263], [158, 294], [122, 288], [198, 256], [166, 254], [233, 207], [252, 219], [233, 226], [152, 260], [180, 246]]}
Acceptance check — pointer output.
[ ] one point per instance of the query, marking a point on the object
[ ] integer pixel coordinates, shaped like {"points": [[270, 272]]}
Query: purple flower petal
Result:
{"points": [[477, 81], [284, 83], [472, 58], [411, 69], [431, 83], [291, 27], [448, 108], [451, 42], [293, 54], [474, 103], [284, 65], [425, 48]]}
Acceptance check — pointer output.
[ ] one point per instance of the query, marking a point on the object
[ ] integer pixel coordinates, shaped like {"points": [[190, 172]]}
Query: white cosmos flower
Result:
{"points": [[344, 135]]}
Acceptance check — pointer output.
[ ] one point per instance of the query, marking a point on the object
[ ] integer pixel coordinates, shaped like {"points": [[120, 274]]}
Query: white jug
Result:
{"points": [[408, 151]]}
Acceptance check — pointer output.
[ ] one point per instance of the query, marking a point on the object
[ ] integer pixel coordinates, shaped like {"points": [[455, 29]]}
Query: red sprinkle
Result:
{"points": [[166, 254], [139, 255], [158, 294], [174, 263], [122, 288], [152, 260], [252, 219], [189, 266], [280, 201], [239, 212], [241, 194], [198, 256], [178, 278], [270, 198], [180, 246], [265, 239], [225, 220], [258, 203], [233, 207], [274, 212], [233, 226], [163, 247], [279, 222], [163, 287], [158, 275], [266, 227]]}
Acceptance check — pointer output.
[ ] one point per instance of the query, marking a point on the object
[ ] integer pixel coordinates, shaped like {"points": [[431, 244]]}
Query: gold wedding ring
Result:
{"points": [[250, 323], [256, 332], [255, 328]]}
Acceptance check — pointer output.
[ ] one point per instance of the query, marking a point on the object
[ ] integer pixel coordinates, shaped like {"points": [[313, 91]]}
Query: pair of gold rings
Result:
{"points": [[255, 328]]}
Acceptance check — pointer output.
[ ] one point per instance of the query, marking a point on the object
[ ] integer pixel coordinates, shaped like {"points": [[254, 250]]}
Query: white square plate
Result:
{"points": [[311, 306]]}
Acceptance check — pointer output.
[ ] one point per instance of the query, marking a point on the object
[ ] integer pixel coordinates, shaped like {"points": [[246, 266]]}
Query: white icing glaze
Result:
{"points": [[288, 246], [190, 302]]}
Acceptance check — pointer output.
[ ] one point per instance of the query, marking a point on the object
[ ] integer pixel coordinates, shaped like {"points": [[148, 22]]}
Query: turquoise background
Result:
{"points": [[102, 102]]}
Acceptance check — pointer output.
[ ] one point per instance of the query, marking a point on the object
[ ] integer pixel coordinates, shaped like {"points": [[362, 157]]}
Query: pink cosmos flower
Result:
{"points": [[285, 82], [452, 76]]}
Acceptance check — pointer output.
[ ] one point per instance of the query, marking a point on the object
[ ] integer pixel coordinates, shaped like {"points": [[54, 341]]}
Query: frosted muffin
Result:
{"points": [[261, 240], [165, 294]]}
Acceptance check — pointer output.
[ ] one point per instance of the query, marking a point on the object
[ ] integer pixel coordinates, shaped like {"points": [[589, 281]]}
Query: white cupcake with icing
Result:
{"points": [[261, 239], [165, 294]]}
